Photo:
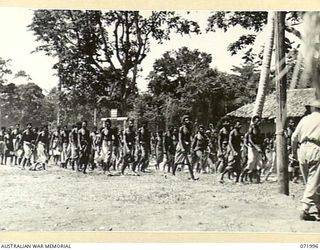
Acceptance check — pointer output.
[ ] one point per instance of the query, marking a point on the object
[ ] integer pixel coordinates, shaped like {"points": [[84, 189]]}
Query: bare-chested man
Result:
{"points": [[55, 145], [223, 140], [144, 147], [255, 151], [159, 148], [27, 140], [64, 146], [16, 136], [8, 146], [129, 138], [169, 148], [42, 145], [84, 144], [234, 153], [107, 139], [2, 144], [183, 150], [199, 146], [73, 146]]}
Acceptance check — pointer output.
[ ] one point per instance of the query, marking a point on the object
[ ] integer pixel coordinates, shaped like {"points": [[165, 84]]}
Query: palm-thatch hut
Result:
{"points": [[297, 99]]}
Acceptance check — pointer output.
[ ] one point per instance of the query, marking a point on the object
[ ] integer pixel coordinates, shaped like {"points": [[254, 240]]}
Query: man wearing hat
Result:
{"points": [[184, 146], [307, 134]]}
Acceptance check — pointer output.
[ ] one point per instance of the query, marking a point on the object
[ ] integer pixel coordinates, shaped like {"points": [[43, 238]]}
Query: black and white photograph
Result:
{"points": [[159, 120]]}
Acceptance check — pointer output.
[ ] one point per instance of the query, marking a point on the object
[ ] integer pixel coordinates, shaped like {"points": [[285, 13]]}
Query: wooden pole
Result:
{"points": [[281, 89]]}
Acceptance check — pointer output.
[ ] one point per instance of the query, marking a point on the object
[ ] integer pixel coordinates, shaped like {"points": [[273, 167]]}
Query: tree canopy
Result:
{"points": [[99, 53]]}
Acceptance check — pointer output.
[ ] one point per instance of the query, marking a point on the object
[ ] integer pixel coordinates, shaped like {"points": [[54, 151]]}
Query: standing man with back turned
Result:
{"points": [[307, 133]]}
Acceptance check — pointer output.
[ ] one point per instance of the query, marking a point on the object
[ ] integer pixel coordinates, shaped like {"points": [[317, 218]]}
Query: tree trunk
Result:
{"points": [[265, 69], [311, 39], [281, 88], [296, 72]]}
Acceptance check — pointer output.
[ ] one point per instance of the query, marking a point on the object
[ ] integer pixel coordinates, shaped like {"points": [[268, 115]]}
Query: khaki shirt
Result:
{"points": [[308, 129]]}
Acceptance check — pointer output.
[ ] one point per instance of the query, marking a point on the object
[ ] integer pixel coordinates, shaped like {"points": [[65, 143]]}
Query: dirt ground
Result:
{"points": [[63, 200]]}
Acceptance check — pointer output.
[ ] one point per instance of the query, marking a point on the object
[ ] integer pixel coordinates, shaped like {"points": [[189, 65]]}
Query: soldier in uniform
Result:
{"points": [[307, 133]]}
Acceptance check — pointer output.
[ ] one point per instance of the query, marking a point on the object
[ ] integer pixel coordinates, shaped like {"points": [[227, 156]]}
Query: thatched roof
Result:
{"points": [[296, 101]]}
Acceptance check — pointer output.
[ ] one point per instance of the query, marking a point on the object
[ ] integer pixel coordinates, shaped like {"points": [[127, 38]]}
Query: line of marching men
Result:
{"points": [[226, 151]]}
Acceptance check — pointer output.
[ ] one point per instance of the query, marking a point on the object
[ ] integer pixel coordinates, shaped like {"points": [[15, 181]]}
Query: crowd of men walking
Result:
{"points": [[224, 151], [243, 157]]}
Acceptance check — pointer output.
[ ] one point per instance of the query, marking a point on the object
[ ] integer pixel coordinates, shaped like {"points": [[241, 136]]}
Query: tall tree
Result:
{"points": [[265, 69], [100, 52], [184, 77], [253, 22]]}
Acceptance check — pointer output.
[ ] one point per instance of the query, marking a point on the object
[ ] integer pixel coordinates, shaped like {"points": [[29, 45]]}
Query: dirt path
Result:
{"points": [[62, 200]]}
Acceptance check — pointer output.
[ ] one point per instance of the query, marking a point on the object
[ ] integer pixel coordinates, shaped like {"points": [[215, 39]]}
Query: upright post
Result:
{"points": [[281, 89]]}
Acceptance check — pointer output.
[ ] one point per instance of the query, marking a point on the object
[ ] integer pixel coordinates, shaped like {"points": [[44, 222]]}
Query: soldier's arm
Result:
{"points": [[295, 140]]}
